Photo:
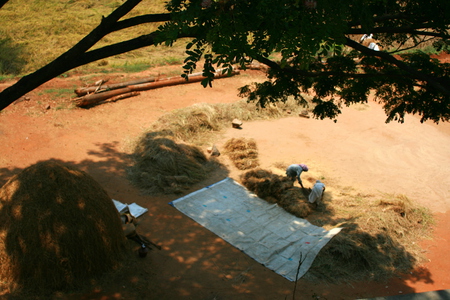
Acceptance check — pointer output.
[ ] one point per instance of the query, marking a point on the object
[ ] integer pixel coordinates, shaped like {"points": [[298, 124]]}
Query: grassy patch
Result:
{"points": [[57, 93], [36, 32]]}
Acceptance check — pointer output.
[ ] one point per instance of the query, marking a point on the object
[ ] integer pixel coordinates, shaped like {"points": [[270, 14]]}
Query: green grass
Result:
{"points": [[58, 93], [33, 33]]}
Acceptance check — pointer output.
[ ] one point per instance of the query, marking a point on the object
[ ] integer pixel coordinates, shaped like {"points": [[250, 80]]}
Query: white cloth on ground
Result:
{"points": [[264, 231]]}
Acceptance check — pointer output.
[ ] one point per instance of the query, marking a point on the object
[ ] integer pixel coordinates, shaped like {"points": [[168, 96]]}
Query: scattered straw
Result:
{"points": [[198, 123], [379, 238], [59, 229], [161, 165], [242, 152], [276, 189], [195, 125]]}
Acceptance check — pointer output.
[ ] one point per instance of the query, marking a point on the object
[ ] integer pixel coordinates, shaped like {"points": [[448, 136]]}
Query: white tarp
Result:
{"points": [[264, 231]]}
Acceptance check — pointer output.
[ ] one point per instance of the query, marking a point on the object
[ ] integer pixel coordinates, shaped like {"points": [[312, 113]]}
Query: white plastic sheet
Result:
{"points": [[264, 231]]}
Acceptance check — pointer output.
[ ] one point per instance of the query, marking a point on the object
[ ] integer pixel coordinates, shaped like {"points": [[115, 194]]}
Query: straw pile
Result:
{"points": [[276, 189], [199, 123], [379, 239], [59, 230], [161, 165], [242, 152]]}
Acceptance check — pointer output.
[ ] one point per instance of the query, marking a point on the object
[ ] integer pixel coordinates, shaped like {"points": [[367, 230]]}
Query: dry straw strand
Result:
{"points": [[242, 152]]}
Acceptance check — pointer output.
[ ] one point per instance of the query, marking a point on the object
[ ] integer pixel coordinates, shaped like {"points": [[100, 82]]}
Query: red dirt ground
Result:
{"points": [[360, 151]]}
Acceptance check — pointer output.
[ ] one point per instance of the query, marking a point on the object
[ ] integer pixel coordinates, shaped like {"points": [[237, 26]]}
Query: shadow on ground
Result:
{"points": [[194, 263]]}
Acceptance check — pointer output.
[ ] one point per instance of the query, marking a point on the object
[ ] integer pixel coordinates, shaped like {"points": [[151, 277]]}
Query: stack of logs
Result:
{"points": [[88, 96]]}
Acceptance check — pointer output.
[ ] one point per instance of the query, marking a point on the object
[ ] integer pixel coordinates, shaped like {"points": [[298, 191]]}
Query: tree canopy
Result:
{"points": [[309, 46]]}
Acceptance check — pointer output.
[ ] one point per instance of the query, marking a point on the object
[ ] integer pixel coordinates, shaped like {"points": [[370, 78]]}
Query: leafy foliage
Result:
{"points": [[316, 42], [320, 51]]}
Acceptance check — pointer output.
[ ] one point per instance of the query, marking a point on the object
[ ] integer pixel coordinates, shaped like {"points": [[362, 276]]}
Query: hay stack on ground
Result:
{"points": [[294, 201], [379, 238], [161, 165], [59, 230], [277, 189], [242, 152]]}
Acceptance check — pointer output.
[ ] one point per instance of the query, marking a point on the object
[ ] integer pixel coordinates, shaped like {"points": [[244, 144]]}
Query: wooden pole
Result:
{"points": [[106, 87], [91, 99]]}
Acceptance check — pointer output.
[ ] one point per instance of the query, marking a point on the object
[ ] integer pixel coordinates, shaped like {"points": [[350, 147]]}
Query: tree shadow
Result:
{"points": [[11, 61], [194, 262], [359, 255]]}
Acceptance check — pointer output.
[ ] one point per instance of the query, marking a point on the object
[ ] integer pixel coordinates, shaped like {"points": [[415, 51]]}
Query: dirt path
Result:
{"points": [[360, 151]]}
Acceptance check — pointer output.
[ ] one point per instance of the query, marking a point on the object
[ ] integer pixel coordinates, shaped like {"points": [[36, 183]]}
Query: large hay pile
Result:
{"points": [[242, 152], [59, 230], [276, 189], [379, 238], [161, 165]]}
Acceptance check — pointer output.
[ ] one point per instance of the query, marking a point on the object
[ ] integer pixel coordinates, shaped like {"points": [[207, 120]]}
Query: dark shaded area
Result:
{"points": [[194, 262], [59, 229], [11, 61], [163, 166]]}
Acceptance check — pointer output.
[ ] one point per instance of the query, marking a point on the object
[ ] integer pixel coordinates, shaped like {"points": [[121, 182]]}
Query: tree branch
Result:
{"points": [[71, 58], [432, 80], [119, 48], [410, 30], [276, 66], [154, 18], [3, 2]]}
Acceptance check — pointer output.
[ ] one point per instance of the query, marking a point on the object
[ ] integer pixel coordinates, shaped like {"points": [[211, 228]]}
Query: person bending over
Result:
{"points": [[294, 171]]}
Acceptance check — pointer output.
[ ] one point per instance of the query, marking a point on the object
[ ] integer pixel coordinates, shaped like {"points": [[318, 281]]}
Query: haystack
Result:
{"points": [[161, 165], [294, 201], [264, 183], [276, 189], [59, 229], [242, 152]]}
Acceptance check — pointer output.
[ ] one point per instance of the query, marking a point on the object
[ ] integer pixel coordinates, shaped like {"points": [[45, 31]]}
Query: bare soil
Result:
{"points": [[358, 152]]}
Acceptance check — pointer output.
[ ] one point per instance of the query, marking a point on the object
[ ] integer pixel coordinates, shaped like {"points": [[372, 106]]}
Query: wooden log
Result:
{"points": [[99, 88], [94, 98], [123, 96], [175, 81], [107, 87]]}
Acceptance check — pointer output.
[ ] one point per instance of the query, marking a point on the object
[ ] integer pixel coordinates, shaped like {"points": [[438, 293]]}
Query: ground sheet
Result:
{"points": [[264, 231]]}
